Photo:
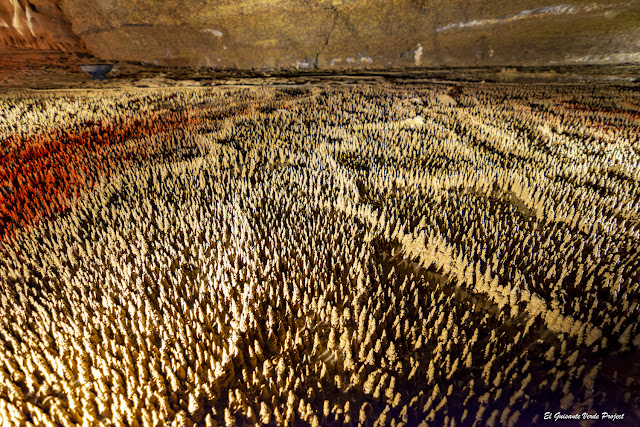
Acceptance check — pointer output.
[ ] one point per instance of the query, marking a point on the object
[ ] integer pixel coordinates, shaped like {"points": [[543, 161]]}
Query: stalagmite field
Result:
{"points": [[401, 255]]}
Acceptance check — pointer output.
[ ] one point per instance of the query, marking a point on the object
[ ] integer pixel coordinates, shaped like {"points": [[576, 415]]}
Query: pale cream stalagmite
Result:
{"points": [[364, 258]]}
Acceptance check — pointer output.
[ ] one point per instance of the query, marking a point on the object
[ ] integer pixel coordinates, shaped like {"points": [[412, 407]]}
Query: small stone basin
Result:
{"points": [[97, 71]]}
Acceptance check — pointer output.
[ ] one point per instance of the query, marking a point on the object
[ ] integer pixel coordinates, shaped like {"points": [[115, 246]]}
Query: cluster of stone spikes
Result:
{"points": [[366, 255]]}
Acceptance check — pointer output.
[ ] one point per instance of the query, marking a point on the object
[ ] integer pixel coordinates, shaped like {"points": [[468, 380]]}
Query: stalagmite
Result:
{"points": [[194, 256]]}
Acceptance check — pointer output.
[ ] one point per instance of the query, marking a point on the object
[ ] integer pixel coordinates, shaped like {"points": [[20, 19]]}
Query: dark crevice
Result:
{"points": [[326, 42]]}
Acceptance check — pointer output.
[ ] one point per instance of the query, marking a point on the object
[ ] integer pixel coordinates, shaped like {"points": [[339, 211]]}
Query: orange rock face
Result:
{"points": [[39, 24]]}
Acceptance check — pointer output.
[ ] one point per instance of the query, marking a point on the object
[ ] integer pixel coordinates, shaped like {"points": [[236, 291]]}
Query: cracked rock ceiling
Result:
{"points": [[329, 34]]}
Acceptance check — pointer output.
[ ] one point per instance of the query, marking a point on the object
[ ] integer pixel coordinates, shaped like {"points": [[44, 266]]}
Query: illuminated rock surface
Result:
{"points": [[319, 255], [330, 34], [38, 24]]}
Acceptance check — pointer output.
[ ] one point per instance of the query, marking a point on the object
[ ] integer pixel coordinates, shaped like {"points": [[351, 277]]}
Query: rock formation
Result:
{"points": [[330, 34], [365, 255], [38, 24]]}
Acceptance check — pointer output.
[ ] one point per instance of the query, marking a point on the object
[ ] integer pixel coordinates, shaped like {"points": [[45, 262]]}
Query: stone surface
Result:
{"points": [[333, 34], [38, 24]]}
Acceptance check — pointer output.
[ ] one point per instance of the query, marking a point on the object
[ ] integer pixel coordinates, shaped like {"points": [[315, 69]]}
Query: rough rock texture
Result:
{"points": [[334, 34], [38, 24]]}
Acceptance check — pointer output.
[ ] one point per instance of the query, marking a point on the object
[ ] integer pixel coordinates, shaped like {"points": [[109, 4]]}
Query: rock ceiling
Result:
{"points": [[330, 34]]}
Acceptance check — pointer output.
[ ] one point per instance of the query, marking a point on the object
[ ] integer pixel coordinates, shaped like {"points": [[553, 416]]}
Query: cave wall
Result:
{"points": [[333, 34], [37, 24]]}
